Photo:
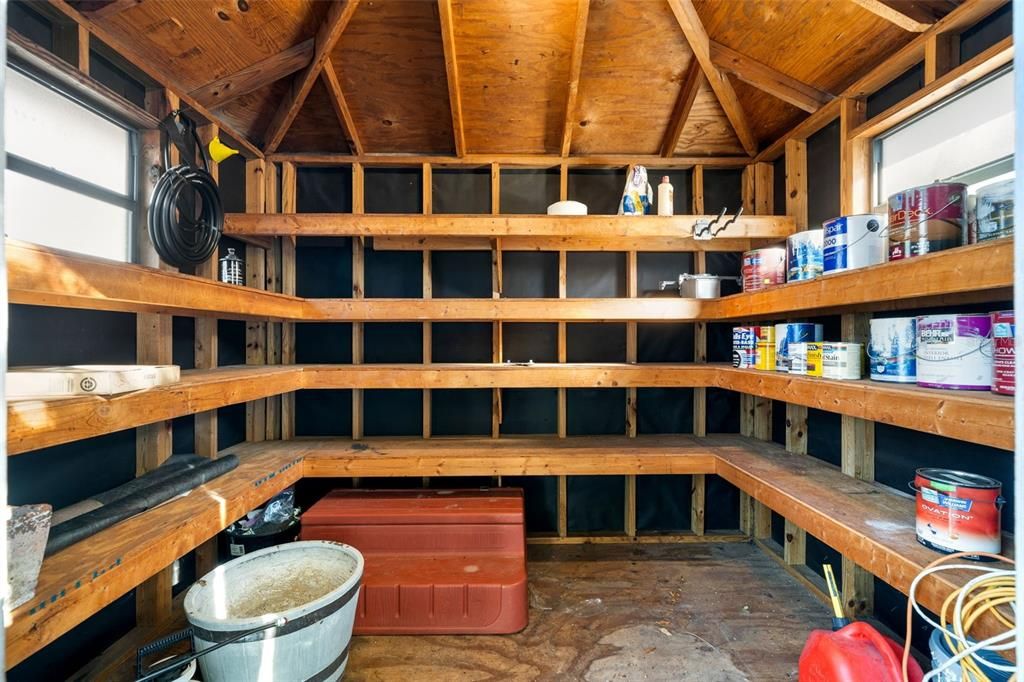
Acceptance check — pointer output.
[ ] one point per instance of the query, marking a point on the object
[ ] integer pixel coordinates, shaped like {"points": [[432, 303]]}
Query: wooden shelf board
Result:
{"points": [[80, 580], [655, 309], [418, 225], [976, 416]]}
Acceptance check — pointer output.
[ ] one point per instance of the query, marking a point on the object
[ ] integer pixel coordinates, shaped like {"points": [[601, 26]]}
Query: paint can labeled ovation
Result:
{"points": [[763, 268], [853, 241], [803, 255], [744, 347], [805, 358], [926, 219], [1004, 370], [788, 334], [958, 511], [993, 212], [765, 358], [841, 360], [955, 351], [892, 351]]}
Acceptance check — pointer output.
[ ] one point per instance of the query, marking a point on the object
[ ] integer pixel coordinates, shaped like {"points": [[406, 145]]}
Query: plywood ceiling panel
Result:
{"points": [[634, 63], [251, 113], [513, 58], [199, 42], [824, 43], [768, 116], [316, 127], [707, 130], [390, 63]]}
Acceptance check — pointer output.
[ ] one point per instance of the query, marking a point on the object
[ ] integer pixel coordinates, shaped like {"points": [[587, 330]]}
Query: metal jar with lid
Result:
{"points": [[697, 286]]}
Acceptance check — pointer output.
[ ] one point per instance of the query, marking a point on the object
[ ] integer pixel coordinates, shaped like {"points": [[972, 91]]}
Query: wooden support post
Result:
{"points": [[496, 329], [563, 182], [358, 207], [854, 160], [941, 55], [796, 181], [700, 354], [71, 43], [272, 260], [288, 276], [256, 278], [632, 286], [428, 292], [562, 417]]}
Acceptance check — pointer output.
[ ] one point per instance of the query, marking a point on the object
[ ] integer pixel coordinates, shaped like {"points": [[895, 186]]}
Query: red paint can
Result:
{"points": [[1004, 358], [763, 268], [958, 511], [926, 219]]}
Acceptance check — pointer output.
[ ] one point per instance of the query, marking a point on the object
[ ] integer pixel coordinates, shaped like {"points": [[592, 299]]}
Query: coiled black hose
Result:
{"points": [[186, 217]]}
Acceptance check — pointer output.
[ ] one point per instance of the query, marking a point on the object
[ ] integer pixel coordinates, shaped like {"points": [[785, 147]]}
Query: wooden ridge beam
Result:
{"points": [[225, 89], [344, 114], [769, 80], [123, 48], [491, 226], [451, 66], [693, 29], [575, 67], [684, 103], [909, 16], [508, 160], [327, 36]]}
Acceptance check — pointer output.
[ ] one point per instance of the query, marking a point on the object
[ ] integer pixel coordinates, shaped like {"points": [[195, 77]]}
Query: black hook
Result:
{"points": [[707, 226], [727, 223]]}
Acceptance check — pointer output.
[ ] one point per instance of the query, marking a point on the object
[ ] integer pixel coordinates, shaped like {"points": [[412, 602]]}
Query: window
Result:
{"points": [[968, 138], [70, 173]]}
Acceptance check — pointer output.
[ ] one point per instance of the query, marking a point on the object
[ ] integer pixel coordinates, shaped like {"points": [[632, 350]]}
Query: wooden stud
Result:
{"points": [[698, 190], [796, 182], [358, 207], [341, 109], [748, 189], [684, 103], [941, 55], [338, 16], [632, 286], [794, 552], [272, 281], [854, 160], [693, 29], [768, 80], [575, 67], [444, 8], [562, 416], [563, 182], [496, 283], [428, 293], [256, 278], [82, 50], [228, 88], [700, 356], [289, 195]]}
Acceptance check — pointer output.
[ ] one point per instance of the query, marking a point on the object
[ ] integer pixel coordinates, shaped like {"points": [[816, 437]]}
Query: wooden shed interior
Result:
{"points": [[412, 318]]}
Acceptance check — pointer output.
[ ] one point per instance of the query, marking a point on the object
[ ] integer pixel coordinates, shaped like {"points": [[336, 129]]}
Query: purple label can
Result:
{"points": [[926, 219], [955, 351]]}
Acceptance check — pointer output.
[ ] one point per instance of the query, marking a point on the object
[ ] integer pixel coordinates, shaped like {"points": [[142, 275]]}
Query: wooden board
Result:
{"points": [[505, 309]]}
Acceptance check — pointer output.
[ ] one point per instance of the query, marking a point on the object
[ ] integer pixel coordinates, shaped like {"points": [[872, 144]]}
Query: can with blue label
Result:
{"points": [[892, 350], [787, 334], [853, 241], [804, 255], [744, 347]]}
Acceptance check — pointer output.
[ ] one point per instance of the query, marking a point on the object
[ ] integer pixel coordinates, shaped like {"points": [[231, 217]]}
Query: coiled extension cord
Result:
{"points": [[186, 217]]}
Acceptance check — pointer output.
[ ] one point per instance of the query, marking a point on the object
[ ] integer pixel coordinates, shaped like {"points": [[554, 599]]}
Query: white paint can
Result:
{"points": [[892, 351], [841, 360], [955, 351], [854, 241], [787, 334], [803, 255]]}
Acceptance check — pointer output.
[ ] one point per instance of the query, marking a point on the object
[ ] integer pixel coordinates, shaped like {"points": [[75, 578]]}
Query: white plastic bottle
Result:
{"points": [[666, 197]]}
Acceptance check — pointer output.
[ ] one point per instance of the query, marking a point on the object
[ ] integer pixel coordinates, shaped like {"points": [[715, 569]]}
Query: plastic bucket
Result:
{"points": [[313, 584], [941, 653]]}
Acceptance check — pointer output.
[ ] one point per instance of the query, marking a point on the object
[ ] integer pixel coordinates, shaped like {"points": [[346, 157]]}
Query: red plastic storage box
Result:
{"points": [[437, 561]]}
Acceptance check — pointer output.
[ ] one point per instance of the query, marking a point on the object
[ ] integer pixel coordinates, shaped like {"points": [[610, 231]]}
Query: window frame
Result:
{"points": [[129, 201]]}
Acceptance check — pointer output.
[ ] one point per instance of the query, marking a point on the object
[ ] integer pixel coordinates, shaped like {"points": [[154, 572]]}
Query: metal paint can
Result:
{"points": [[765, 358], [892, 350], [853, 241], [744, 347], [763, 268], [1004, 370], [926, 219], [805, 358], [955, 351], [958, 511], [993, 212], [841, 360], [803, 255], [787, 334]]}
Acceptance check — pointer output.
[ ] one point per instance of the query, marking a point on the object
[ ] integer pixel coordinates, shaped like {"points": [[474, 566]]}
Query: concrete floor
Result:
{"points": [[686, 612]]}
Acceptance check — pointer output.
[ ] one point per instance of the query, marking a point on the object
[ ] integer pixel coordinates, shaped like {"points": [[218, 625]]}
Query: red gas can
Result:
{"points": [[856, 653]]}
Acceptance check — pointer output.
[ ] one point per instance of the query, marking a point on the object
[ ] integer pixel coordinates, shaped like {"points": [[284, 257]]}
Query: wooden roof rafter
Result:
{"points": [[575, 69], [693, 29], [769, 80], [348, 124], [916, 17], [255, 76], [684, 103], [444, 10], [327, 36]]}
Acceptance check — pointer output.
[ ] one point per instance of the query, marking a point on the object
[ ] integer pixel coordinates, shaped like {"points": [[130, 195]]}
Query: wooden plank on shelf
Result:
{"points": [[416, 225], [569, 243], [505, 309], [511, 160], [78, 581]]}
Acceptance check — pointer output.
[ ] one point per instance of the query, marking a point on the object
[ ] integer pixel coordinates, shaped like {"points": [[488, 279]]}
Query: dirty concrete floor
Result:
{"points": [[688, 612]]}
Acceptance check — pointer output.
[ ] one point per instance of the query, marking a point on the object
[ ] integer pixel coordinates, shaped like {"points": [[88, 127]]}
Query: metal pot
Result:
{"points": [[698, 286]]}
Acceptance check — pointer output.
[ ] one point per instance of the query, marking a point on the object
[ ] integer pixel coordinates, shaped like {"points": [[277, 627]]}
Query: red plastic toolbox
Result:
{"points": [[437, 561]]}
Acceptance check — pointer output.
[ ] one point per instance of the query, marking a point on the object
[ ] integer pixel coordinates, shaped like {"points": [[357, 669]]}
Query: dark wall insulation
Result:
{"points": [[529, 411], [904, 85], [528, 191], [584, 516], [779, 185], [324, 190], [529, 274], [526, 341], [656, 267], [461, 274], [541, 498], [395, 190], [663, 503], [986, 33], [461, 191], [461, 341], [600, 190], [723, 188], [460, 412], [823, 175], [595, 342], [597, 274]]}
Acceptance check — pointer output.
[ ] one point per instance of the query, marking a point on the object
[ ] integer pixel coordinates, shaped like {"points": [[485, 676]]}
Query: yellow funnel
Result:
{"points": [[220, 151]]}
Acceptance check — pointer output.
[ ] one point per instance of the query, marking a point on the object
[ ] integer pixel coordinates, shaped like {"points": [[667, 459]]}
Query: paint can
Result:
{"points": [[926, 219], [744, 347], [763, 268], [853, 241], [805, 358], [892, 350], [1004, 371], [803, 255], [765, 358], [958, 511], [993, 212], [787, 334], [955, 351], [841, 360]]}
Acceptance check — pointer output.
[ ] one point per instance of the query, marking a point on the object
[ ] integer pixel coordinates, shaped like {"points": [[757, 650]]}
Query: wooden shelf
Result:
{"points": [[80, 580], [976, 416], [659, 309], [982, 272]]}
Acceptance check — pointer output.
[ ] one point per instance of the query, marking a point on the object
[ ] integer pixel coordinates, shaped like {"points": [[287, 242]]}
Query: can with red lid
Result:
{"points": [[1004, 358], [926, 219]]}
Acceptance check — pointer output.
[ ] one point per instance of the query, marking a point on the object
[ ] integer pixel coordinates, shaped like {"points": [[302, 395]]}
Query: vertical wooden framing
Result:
{"points": [[272, 261], [428, 292], [562, 511], [496, 330], [631, 342], [358, 280], [288, 275], [941, 54], [698, 483], [256, 278], [796, 182]]}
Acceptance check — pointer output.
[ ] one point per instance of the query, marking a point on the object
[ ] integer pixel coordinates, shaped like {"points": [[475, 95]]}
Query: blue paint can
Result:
{"points": [[892, 351], [787, 334], [854, 241], [804, 255]]}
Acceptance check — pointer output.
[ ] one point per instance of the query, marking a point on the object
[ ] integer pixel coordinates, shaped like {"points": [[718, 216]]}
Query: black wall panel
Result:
{"points": [[597, 274], [529, 411], [595, 342], [461, 191], [823, 175], [460, 412], [526, 341], [393, 412], [324, 190], [461, 341], [663, 503], [393, 190], [595, 411], [392, 342], [600, 190], [323, 342], [461, 274], [587, 516], [392, 274], [527, 190], [664, 410], [652, 268], [529, 274]]}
